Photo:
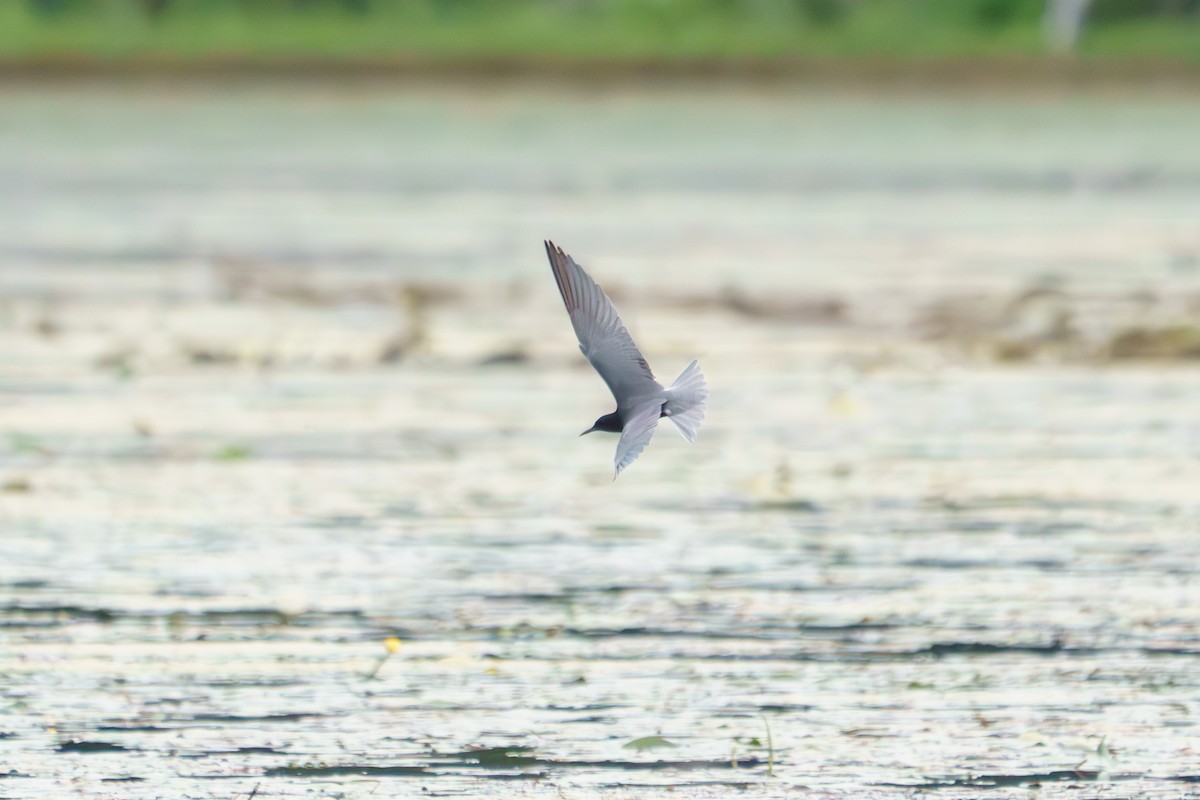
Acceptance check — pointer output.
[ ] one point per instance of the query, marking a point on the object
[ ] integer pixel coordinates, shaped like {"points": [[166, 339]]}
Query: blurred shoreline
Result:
{"points": [[1032, 73]]}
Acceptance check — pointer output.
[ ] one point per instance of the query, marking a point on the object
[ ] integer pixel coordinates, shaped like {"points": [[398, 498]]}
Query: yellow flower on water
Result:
{"points": [[392, 644]]}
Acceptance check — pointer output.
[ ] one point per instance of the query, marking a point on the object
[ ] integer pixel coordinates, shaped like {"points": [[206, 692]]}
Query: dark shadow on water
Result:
{"points": [[84, 746], [323, 771], [1010, 781], [500, 758]]}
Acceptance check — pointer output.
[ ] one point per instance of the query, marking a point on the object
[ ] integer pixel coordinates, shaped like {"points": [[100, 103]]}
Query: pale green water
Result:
{"points": [[933, 574]]}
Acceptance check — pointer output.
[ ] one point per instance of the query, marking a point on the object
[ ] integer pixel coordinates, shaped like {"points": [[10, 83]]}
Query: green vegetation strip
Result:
{"points": [[551, 31]]}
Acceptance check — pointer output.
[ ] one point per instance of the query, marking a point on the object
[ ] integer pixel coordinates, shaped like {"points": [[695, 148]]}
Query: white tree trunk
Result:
{"points": [[1064, 22]]}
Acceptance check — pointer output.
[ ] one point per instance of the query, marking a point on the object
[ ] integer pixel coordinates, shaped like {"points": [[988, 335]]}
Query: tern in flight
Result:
{"points": [[641, 400]]}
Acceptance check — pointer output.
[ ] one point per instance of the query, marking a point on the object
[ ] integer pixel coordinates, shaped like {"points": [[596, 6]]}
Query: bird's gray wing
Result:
{"points": [[639, 428], [602, 336]]}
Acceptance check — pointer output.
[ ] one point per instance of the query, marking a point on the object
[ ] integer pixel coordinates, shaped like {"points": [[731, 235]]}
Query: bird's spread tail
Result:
{"points": [[687, 399]]}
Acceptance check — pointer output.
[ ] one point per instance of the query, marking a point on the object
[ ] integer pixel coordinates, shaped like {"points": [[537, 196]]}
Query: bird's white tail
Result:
{"points": [[687, 399]]}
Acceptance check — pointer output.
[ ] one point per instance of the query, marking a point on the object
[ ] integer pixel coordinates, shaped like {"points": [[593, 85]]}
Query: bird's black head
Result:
{"points": [[609, 423]]}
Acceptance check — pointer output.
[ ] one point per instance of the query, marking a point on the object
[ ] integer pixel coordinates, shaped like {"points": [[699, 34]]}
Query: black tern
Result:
{"points": [[641, 400]]}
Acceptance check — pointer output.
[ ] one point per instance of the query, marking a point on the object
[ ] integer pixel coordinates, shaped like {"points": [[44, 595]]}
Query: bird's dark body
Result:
{"points": [[610, 423], [613, 423]]}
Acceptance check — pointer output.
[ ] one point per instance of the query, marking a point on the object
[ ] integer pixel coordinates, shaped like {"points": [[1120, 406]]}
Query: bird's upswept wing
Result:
{"points": [[639, 428], [602, 336]]}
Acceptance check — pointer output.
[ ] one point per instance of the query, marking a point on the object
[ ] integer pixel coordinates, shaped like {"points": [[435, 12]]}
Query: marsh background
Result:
{"points": [[292, 499]]}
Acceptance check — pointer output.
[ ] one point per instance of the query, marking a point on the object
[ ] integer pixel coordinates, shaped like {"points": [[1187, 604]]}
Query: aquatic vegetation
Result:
{"points": [[233, 452], [1171, 342]]}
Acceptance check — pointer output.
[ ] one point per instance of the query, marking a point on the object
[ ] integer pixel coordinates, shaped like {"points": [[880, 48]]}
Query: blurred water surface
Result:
{"points": [[283, 373]]}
